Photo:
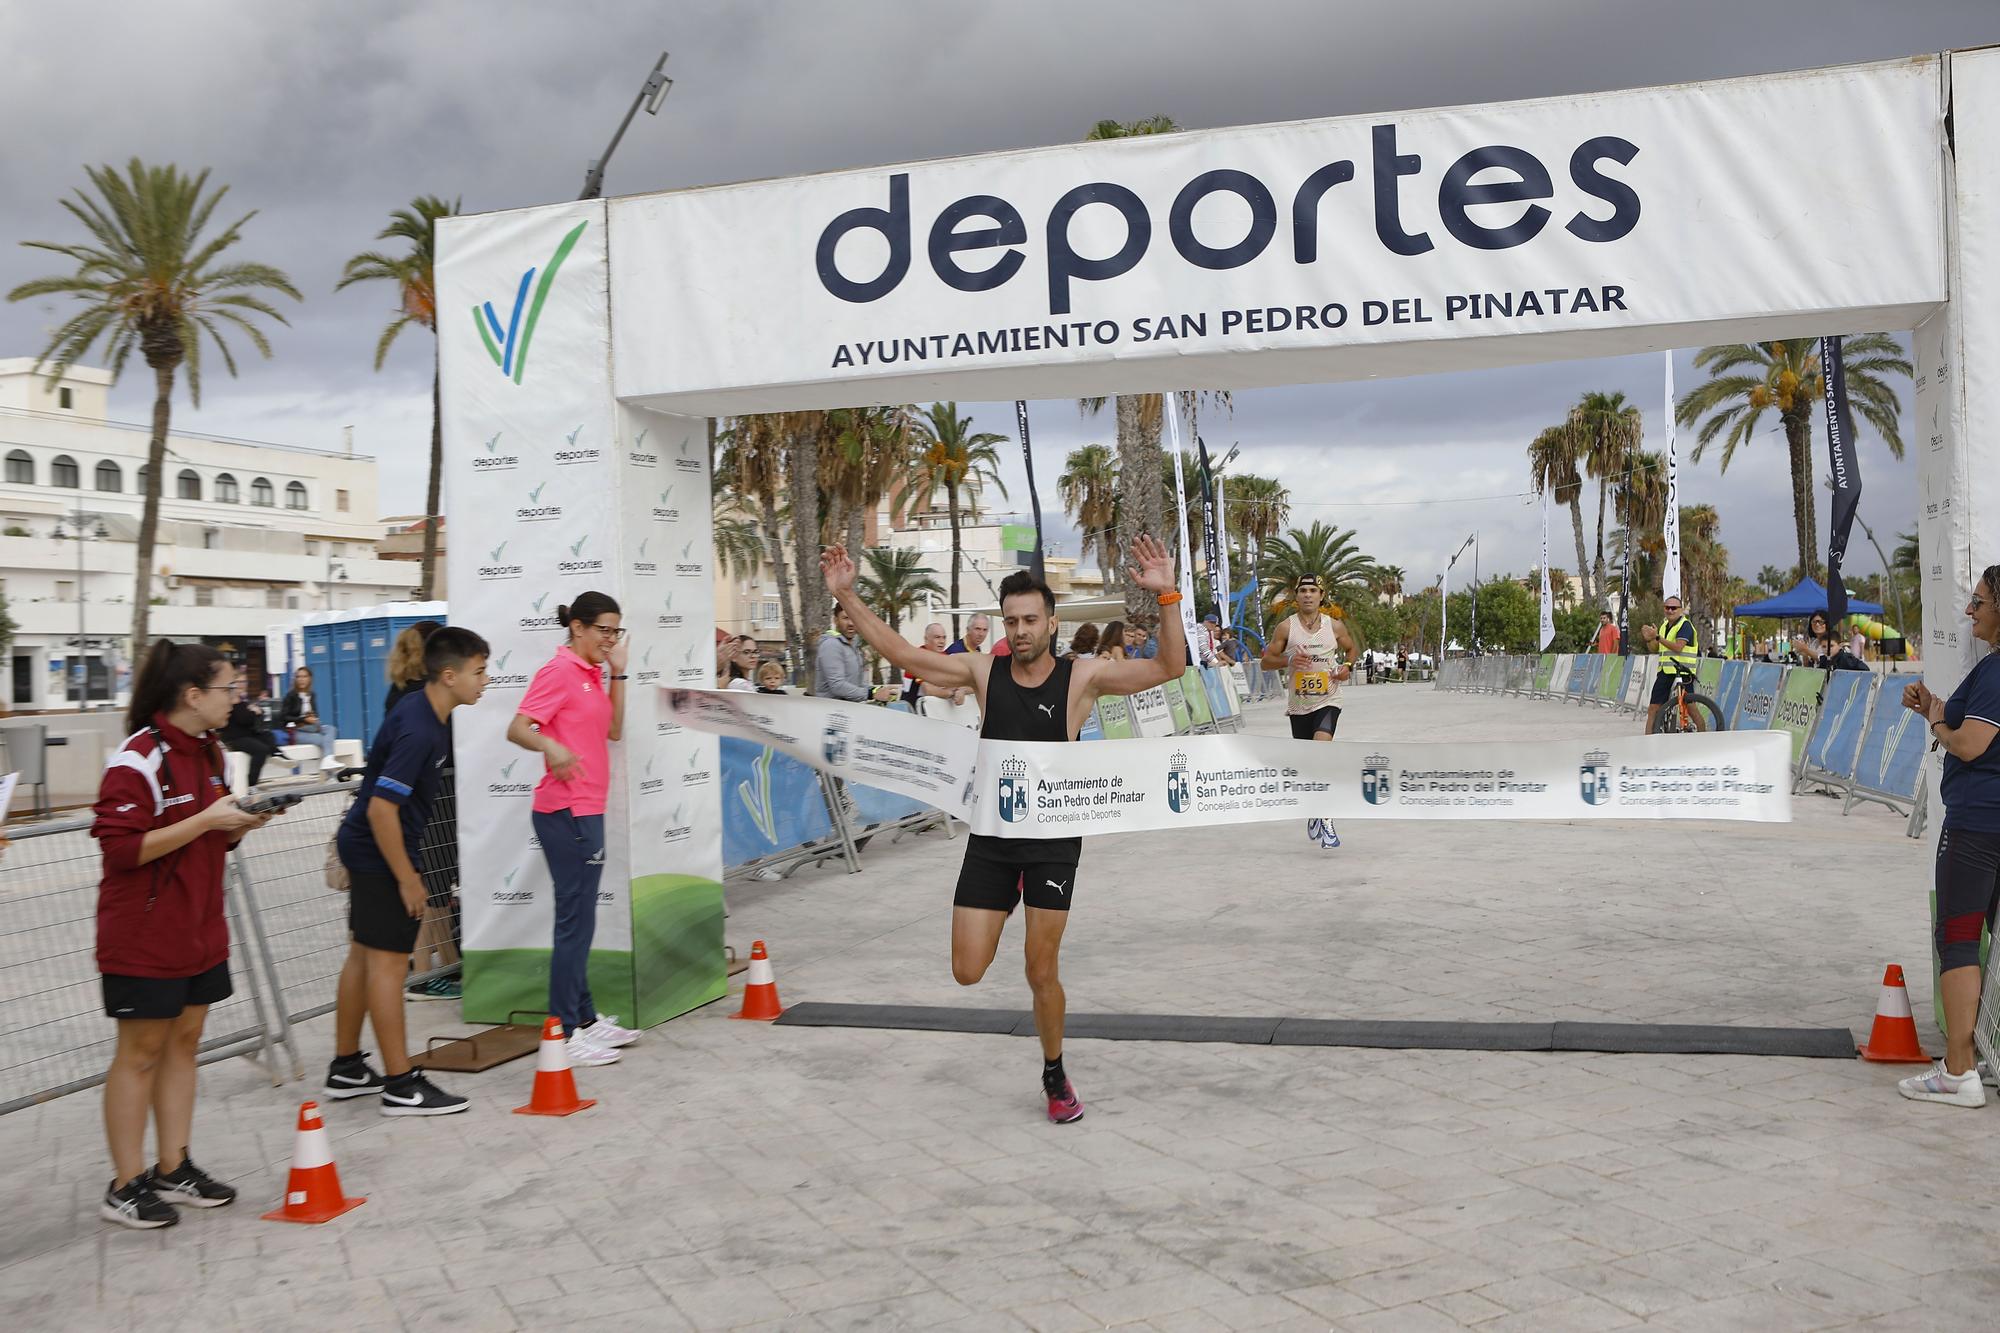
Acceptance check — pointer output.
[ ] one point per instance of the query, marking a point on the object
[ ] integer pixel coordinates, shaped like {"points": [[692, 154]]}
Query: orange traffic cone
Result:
{"points": [[555, 1086], [313, 1193], [760, 988], [1894, 1039]]}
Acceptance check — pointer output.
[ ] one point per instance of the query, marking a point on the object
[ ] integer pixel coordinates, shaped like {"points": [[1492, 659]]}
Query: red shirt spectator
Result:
{"points": [[164, 918]]}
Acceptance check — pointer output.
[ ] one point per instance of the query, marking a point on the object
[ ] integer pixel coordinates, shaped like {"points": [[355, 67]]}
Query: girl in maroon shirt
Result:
{"points": [[164, 824]]}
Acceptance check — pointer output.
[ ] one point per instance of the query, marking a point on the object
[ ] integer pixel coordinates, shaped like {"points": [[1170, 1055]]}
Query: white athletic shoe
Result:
{"points": [[1328, 839], [1951, 1089], [582, 1051], [606, 1033], [1316, 830]]}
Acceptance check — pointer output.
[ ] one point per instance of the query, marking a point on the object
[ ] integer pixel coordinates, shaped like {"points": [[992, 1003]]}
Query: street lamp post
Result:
{"points": [[651, 94], [1444, 596], [82, 643]]}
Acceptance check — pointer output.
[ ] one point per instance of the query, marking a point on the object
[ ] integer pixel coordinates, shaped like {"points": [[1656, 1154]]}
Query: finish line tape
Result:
{"points": [[1016, 789]]}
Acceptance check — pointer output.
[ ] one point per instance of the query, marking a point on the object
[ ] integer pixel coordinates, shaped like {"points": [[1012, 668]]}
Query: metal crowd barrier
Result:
{"points": [[1850, 734], [288, 940]]}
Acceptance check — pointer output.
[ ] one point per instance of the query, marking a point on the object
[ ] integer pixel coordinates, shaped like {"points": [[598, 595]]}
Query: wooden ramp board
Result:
{"points": [[481, 1051]]}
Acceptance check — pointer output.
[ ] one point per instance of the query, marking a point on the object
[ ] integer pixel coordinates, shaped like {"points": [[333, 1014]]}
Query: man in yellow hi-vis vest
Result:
{"points": [[1679, 649]]}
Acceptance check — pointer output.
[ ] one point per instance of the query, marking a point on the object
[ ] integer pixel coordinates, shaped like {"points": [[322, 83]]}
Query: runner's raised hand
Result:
{"points": [[1152, 566], [837, 568]]}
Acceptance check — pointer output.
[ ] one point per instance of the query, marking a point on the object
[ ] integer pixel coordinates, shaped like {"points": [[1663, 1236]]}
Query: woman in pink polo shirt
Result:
{"points": [[569, 715]]}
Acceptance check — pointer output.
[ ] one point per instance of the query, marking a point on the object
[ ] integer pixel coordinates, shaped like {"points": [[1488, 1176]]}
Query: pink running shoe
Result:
{"points": [[1065, 1108]]}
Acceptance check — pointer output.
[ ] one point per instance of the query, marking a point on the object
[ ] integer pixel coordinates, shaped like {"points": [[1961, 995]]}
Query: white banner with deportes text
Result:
{"points": [[1013, 789]]}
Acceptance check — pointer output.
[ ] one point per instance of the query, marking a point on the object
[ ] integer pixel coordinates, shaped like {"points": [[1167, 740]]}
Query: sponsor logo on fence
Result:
{"points": [[577, 562], [507, 781], [508, 343], [497, 567], [535, 511], [572, 453], [538, 620], [640, 456], [834, 740], [490, 459], [640, 564], [499, 677], [665, 511]]}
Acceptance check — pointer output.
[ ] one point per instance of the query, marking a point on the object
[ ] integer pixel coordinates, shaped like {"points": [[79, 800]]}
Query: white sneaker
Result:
{"points": [[1951, 1089], [580, 1050], [606, 1033], [1314, 829]]}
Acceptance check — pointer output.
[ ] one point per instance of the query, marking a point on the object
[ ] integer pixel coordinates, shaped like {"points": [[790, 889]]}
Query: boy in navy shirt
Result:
{"points": [[377, 843]]}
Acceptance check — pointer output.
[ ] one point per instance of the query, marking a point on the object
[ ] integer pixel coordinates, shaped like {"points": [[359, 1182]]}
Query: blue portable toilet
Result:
{"points": [[319, 658], [377, 637], [348, 710]]}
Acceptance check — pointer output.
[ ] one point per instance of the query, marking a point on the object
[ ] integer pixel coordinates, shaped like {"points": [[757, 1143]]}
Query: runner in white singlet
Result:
{"points": [[1314, 650]]}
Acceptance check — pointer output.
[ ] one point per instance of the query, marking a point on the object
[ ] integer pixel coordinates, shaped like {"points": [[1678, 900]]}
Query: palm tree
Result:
{"points": [[870, 456], [1746, 379], [1640, 506], [1607, 432], [1704, 562], [414, 273], [1388, 581], [1089, 489], [1553, 463], [1327, 552], [895, 583], [147, 279], [950, 454], [1261, 505], [751, 465], [738, 548]]}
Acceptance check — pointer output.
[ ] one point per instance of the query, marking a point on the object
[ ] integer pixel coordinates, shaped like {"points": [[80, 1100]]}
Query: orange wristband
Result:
{"points": [[1169, 598]]}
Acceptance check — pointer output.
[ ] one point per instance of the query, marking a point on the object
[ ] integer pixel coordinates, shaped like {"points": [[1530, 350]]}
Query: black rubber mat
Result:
{"points": [[1682, 1039], [1413, 1036], [1391, 1034]]}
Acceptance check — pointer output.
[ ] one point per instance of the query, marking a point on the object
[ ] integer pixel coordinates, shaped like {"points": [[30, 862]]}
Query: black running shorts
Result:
{"points": [[376, 917], [164, 997], [1307, 725], [996, 886], [1663, 685]]}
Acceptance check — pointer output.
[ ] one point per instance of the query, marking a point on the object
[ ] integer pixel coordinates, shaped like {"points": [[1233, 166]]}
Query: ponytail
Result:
{"points": [[169, 669], [587, 608]]}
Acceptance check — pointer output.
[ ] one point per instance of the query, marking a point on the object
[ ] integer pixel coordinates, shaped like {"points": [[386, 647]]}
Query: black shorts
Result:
{"points": [[376, 917], [997, 885], [1663, 684], [164, 997], [1307, 725]]}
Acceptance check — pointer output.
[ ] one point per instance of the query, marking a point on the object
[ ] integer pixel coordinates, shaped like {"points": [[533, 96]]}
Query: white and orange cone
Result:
{"points": [[1894, 1038], [760, 988], [313, 1192], [555, 1086]]}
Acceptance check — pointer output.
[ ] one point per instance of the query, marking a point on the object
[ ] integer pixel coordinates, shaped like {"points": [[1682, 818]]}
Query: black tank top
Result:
{"points": [[1015, 712]]}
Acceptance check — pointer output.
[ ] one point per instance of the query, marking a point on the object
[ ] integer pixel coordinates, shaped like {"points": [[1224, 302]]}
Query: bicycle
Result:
{"points": [[1686, 712]]}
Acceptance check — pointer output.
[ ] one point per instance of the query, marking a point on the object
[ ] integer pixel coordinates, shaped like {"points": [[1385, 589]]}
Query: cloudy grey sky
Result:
{"points": [[325, 117]]}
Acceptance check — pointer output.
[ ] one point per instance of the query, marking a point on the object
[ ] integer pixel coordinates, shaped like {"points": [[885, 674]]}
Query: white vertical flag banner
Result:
{"points": [[1173, 410], [1670, 580], [1548, 605]]}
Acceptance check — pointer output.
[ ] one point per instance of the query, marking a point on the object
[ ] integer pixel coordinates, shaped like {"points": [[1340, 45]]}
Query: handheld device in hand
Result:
{"points": [[269, 802]]}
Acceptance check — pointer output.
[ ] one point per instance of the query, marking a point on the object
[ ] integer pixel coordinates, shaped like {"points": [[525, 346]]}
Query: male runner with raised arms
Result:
{"points": [[1031, 695], [1309, 646]]}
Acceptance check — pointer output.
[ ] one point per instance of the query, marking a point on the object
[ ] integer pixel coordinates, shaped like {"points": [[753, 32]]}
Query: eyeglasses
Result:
{"points": [[236, 689], [611, 632]]}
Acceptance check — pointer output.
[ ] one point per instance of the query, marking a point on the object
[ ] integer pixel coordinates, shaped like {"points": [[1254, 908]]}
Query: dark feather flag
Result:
{"points": [[1205, 475], [1845, 462], [1034, 497]]}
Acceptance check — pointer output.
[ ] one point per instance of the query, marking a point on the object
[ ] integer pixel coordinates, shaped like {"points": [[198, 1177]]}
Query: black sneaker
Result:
{"points": [[137, 1206], [351, 1077], [190, 1185], [416, 1095]]}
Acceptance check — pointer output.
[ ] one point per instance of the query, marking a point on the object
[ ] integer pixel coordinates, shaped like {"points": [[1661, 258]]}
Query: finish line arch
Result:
{"points": [[602, 334]]}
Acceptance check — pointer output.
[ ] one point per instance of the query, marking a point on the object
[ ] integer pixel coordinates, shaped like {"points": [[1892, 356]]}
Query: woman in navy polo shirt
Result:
{"points": [[1968, 854]]}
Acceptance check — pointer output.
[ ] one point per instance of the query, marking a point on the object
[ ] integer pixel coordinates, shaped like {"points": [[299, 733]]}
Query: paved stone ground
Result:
{"points": [[744, 1175]]}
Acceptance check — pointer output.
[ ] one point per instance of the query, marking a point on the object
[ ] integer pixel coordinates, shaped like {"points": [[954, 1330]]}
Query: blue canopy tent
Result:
{"points": [[1801, 601]]}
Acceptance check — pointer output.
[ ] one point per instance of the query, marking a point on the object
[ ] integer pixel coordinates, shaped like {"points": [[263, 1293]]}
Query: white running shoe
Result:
{"points": [[1951, 1089], [606, 1033], [1316, 830], [1328, 839], [580, 1050]]}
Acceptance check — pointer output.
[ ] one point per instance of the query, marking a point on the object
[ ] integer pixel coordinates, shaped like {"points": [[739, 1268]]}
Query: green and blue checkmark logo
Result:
{"points": [[508, 344]]}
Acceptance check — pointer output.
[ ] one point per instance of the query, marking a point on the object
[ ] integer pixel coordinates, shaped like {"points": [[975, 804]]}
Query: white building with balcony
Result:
{"points": [[251, 534]]}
